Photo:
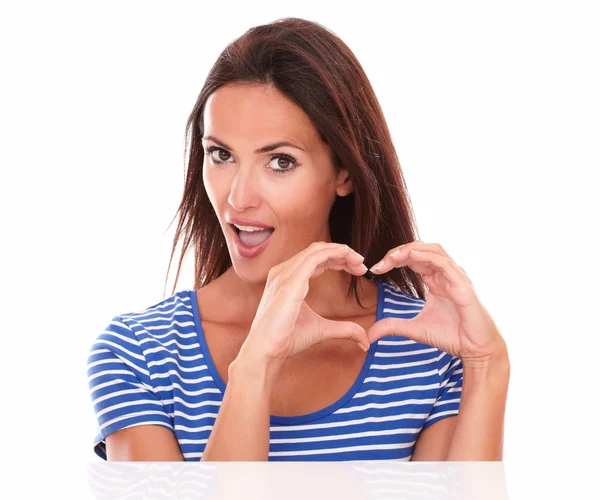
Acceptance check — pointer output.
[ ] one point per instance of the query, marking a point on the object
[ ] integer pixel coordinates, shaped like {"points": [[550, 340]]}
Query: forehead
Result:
{"points": [[255, 114]]}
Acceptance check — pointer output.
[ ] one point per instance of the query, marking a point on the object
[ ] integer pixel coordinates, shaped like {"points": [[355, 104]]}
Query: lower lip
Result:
{"points": [[245, 250]]}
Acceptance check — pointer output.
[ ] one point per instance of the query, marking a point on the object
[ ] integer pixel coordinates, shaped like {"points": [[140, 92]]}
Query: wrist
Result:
{"points": [[252, 364], [495, 367]]}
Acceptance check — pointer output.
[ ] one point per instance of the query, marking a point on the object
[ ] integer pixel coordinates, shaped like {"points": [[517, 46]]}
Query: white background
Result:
{"points": [[494, 110]]}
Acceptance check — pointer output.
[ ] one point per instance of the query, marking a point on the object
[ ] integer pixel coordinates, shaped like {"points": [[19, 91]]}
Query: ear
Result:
{"points": [[343, 186]]}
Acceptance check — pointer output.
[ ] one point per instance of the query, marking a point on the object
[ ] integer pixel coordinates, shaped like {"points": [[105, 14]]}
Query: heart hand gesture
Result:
{"points": [[452, 319]]}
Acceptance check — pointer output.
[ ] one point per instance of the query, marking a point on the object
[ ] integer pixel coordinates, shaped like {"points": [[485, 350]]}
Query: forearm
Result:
{"points": [[242, 428], [479, 431]]}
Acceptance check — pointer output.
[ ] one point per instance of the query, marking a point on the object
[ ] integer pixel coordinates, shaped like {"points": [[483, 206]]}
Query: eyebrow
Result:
{"points": [[264, 149]]}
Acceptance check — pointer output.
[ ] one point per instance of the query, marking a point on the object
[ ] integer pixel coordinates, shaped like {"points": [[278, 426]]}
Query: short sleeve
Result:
{"points": [[120, 384], [448, 398]]}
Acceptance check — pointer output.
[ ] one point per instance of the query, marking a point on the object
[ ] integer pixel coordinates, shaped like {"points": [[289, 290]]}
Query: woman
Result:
{"points": [[292, 184]]}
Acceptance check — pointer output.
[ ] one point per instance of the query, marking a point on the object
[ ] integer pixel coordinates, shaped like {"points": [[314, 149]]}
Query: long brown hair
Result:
{"points": [[313, 68]]}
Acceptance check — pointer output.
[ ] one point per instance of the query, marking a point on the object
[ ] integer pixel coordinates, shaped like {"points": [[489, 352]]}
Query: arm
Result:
{"points": [[434, 438], [143, 443], [479, 431], [133, 423], [242, 428], [433, 443], [482, 406]]}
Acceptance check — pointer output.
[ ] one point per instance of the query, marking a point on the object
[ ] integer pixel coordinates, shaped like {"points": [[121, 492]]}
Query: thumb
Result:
{"points": [[398, 327], [345, 330]]}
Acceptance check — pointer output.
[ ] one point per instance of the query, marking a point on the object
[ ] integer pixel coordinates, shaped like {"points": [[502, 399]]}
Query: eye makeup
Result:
{"points": [[292, 161]]}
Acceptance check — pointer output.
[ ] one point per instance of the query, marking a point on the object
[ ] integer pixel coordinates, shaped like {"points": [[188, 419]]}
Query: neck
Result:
{"points": [[327, 294]]}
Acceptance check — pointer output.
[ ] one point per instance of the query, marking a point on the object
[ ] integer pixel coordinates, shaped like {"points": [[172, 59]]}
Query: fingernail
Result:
{"points": [[362, 346], [377, 266]]}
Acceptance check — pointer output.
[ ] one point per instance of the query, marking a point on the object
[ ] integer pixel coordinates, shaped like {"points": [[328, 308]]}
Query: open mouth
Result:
{"points": [[238, 230], [252, 238]]}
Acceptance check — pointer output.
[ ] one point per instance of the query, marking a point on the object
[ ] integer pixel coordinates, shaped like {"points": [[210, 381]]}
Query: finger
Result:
{"points": [[345, 330], [437, 263], [296, 259], [336, 264], [464, 273], [397, 327], [302, 269], [389, 261], [399, 259]]}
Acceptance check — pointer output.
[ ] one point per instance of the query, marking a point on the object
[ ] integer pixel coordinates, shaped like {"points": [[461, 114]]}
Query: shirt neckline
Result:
{"points": [[295, 419]]}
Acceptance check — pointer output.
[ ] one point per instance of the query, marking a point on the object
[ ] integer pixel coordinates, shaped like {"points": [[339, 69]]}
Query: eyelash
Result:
{"points": [[291, 159]]}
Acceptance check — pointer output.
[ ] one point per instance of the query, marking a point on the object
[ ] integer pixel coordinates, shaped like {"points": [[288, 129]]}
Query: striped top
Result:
{"points": [[153, 367]]}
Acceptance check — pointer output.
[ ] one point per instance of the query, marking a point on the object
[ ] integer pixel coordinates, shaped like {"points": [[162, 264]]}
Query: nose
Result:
{"points": [[244, 192]]}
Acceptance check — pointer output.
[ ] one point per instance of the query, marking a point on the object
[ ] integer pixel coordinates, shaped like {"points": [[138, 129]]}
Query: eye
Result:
{"points": [[284, 164], [211, 149], [289, 163]]}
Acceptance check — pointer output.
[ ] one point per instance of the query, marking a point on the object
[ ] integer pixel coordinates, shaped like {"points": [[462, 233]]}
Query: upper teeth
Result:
{"points": [[249, 228]]}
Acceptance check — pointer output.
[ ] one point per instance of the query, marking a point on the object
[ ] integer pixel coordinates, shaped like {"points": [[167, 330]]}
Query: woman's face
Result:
{"points": [[292, 194]]}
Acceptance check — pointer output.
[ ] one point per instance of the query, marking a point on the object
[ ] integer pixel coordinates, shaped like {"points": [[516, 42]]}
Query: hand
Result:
{"points": [[452, 319], [284, 324]]}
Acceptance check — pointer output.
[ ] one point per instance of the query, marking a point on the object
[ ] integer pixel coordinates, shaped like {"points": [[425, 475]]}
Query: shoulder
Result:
{"points": [[139, 331], [397, 303], [177, 305]]}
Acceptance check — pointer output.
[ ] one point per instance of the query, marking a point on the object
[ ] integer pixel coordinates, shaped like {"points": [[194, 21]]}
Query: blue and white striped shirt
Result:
{"points": [[153, 367]]}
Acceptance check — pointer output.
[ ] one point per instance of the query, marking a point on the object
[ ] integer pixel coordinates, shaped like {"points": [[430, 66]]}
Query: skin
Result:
{"points": [[296, 203]]}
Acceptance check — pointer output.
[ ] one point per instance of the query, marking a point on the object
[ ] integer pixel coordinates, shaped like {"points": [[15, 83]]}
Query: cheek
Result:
{"points": [[214, 185], [303, 207], [206, 181]]}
